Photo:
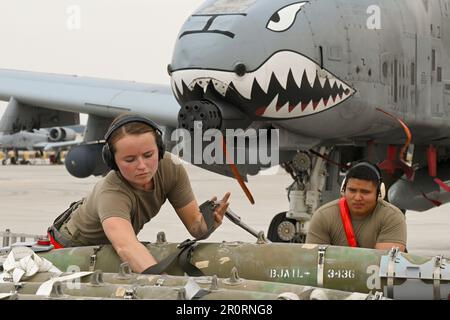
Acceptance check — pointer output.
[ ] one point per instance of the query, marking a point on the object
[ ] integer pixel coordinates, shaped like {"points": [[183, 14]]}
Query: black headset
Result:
{"points": [[380, 185], [108, 155]]}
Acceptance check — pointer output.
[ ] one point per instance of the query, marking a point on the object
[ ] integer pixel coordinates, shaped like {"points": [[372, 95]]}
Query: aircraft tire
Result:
{"points": [[272, 233]]}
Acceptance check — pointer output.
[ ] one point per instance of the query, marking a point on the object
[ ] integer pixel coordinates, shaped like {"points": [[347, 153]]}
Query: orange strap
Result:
{"points": [[236, 173], [347, 222]]}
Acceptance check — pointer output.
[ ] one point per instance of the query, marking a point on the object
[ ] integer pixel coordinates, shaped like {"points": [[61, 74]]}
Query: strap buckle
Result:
{"points": [[186, 243]]}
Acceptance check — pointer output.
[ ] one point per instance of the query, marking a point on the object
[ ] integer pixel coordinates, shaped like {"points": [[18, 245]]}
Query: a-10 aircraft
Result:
{"points": [[39, 140], [341, 81]]}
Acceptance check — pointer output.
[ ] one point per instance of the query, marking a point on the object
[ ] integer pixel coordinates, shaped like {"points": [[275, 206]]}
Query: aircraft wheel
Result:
{"points": [[282, 229]]}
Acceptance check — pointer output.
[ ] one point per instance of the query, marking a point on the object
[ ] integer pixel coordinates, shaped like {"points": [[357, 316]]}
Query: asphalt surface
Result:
{"points": [[32, 196]]}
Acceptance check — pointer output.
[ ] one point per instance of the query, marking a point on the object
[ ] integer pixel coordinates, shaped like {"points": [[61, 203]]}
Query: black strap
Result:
{"points": [[59, 221], [65, 216], [184, 261], [184, 256], [161, 266]]}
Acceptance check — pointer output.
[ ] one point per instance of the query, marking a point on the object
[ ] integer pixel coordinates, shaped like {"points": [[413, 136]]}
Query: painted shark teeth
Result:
{"points": [[292, 86]]}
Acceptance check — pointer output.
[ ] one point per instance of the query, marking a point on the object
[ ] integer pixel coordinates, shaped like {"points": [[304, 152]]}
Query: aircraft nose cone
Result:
{"points": [[263, 72], [220, 41]]}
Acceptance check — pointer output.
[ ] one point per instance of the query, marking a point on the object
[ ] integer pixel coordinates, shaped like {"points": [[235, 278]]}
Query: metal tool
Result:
{"points": [[233, 217]]}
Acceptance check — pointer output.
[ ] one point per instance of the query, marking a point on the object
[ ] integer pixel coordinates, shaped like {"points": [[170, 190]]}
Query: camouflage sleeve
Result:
{"points": [[393, 228], [318, 232], [181, 192]]}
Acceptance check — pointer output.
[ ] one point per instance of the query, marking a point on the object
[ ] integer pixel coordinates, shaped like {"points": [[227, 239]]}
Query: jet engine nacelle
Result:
{"points": [[420, 194], [85, 160], [61, 134]]}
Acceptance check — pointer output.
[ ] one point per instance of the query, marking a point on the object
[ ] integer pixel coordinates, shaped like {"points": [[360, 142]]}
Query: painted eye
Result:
{"points": [[284, 18]]}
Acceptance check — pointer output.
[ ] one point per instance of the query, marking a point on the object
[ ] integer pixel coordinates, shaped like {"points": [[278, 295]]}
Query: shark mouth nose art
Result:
{"points": [[288, 85]]}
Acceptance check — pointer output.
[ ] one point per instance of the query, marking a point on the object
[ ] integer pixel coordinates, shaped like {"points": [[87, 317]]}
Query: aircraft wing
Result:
{"points": [[58, 99], [52, 145]]}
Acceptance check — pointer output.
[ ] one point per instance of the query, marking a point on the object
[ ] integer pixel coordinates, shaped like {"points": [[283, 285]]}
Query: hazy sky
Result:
{"points": [[116, 39]]}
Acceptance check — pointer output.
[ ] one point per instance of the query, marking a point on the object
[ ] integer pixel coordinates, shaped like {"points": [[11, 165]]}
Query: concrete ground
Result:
{"points": [[32, 196]]}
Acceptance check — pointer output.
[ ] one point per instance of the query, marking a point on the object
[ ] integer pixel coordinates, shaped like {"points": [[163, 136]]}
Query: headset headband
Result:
{"points": [[129, 119], [368, 165], [381, 191], [107, 152]]}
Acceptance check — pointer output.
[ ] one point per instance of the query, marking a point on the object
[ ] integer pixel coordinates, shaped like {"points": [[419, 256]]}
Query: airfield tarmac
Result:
{"points": [[32, 196]]}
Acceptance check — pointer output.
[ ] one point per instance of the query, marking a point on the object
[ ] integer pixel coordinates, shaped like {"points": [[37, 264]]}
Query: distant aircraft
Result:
{"points": [[40, 140], [342, 81]]}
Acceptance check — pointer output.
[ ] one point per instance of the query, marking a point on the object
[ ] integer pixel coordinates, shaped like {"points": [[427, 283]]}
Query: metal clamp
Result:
{"points": [[125, 272], [391, 271], [96, 279], [93, 258], [438, 264], [320, 265], [262, 238], [161, 238]]}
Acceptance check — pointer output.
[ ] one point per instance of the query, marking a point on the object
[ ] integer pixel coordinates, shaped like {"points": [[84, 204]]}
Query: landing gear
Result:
{"points": [[305, 196], [11, 157], [282, 229]]}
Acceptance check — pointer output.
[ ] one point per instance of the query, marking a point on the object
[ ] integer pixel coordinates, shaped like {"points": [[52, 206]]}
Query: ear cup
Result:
{"points": [[160, 145], [108, 157], [343, 186], [382, 193]]}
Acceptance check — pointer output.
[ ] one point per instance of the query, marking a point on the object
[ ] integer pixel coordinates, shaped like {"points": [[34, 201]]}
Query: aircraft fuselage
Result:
{"points": [[321, 72]]}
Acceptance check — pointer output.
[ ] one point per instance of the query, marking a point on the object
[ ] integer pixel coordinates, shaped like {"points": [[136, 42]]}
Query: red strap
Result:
{"points": [[53, 242], [442, 184], [347, 222]]}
